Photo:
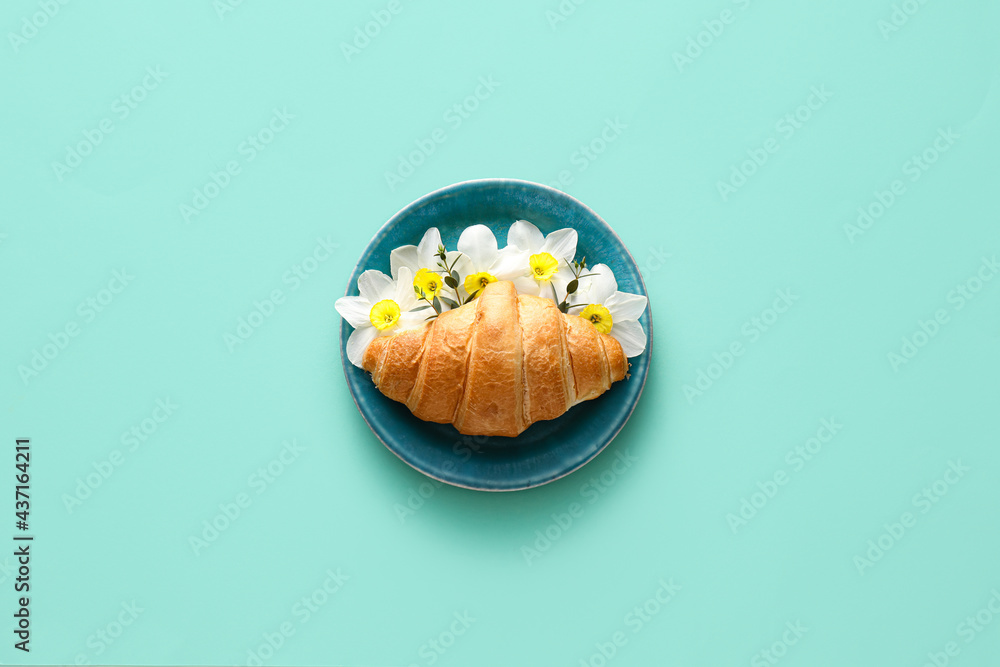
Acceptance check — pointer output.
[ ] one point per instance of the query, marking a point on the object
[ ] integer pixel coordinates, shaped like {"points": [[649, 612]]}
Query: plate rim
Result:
{"points": [[415, 204]]}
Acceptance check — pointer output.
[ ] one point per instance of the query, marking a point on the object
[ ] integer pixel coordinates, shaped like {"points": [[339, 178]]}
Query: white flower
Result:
{"points": [[385, 307], [612, 312], [422, 260], [416, 257], [482, 263], [548, 259]]}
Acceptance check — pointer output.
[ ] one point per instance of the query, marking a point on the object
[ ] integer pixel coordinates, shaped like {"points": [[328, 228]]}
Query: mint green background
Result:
{"points": [[337, 505]]}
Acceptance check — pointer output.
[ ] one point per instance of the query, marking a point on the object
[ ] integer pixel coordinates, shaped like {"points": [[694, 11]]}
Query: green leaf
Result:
{"points": [[437, 304], [458, 256], [451, 281], [571, 287], [470, 298], [450, 302], [563, 307]]}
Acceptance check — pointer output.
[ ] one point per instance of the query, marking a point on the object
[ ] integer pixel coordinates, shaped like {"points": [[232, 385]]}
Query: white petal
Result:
{"points": [[411, 320], [355, 309], [402, 292], [525, 236], [630, 334], [407, 256], [604, 284], [545, 289], [510, 263], [409, 301], [428, 248], [624, 306], [373, 285], [561, 244], [463, 265], [601, 286], [560, 280], [528, 285], [479, 245], [358, 343], [451, 256]]}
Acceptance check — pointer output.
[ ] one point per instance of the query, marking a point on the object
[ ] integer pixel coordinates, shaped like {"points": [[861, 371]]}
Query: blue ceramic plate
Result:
{"points": [[547, 450]]}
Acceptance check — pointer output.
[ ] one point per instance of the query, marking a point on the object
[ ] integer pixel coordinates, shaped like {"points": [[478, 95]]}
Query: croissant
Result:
{"points": [[496, 365]]}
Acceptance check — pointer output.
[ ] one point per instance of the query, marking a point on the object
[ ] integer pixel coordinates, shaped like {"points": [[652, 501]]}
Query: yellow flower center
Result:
{"points": [[543, 266], [384, 314], [475, 283], [599, 316], [428, 282]]}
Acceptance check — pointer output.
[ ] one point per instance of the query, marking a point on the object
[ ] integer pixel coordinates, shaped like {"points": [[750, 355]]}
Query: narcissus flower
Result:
{"points": [[427, 280], [385, 314], [385, 307], [476, 282], [416, 257], [549, 259], [484, 262], [599, 316], [610, 311], [429, 283], [543, 266]]}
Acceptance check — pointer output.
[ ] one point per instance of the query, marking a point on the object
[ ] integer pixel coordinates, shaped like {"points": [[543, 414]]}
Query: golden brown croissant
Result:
{"points": [[496, 365]]}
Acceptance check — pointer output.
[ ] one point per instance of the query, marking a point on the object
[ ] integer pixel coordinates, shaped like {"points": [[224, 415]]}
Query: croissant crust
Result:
{"points": [[496, 365]]}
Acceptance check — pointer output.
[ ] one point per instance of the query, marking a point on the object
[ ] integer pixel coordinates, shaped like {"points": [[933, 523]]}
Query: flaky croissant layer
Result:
{"points": [[496, 365]]}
